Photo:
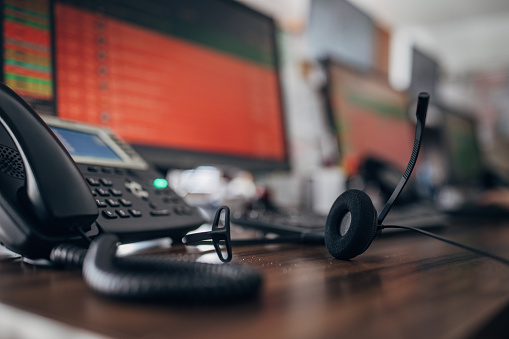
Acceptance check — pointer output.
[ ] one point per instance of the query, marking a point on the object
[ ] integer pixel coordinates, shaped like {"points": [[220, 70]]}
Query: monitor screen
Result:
{"points": [[187, 82], [463, 150], [369, 117]]}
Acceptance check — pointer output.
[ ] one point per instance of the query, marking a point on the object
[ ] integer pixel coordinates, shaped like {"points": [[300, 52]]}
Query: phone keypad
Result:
{"points": [[129, 204], [111, 198]]}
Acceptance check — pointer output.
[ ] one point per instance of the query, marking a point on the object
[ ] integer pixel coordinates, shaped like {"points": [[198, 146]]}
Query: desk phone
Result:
{"points": [[61, 181]]}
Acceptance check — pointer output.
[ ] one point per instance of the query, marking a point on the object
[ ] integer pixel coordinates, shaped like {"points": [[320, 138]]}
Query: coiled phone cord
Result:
{"points": [[155, 277]]}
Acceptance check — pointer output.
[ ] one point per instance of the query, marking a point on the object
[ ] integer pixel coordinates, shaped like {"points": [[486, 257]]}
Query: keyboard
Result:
{"points": [[280, 222], [422, 215]]}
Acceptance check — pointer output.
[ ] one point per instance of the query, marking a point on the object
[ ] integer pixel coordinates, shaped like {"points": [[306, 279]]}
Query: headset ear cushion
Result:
{"points": [[351, 225]]}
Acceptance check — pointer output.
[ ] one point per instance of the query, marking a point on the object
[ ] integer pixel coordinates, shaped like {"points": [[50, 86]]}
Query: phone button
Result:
{"points": [[93, 182], [136, 189], [102, 192], [100, 203], [183, 210], [115, 192], [125, 202], [109, 214], [159, 213], [135, 213], [112, 203], [171, 200], [106, 182], [123, 214]]}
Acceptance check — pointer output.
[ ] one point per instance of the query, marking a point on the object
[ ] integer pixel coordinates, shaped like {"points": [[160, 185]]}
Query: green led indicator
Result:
{"points": [[160, 183]]}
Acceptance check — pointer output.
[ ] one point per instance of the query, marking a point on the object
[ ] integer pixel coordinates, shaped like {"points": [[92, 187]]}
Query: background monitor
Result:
{"points": [[369, 118], [187, 82], [463, 150], [338, 28]]}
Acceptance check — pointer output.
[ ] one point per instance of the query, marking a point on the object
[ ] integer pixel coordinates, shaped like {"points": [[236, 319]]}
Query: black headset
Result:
{"points": [[352, 223]]}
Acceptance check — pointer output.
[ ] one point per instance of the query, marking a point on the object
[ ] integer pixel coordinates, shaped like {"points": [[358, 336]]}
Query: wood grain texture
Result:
{"points": [[404, 286]]}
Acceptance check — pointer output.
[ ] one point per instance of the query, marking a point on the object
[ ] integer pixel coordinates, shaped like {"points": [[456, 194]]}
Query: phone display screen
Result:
{"points": [[84, 144]]}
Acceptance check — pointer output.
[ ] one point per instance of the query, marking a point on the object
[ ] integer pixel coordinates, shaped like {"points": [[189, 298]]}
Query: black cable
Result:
{"points": [[85, 236], [67, 255], [154, 277], [465, 247]]}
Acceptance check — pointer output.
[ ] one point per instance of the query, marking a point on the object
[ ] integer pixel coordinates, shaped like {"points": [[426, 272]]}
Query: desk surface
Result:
{"points": [[405, 286]]}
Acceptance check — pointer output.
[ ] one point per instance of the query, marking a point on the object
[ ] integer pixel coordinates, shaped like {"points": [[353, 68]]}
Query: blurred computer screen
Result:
{"points": [[465, 163], [188, 82], [369, 117]]}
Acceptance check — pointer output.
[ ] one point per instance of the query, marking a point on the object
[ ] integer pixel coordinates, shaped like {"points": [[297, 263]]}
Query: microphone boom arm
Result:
{"points": [[422, 108]]}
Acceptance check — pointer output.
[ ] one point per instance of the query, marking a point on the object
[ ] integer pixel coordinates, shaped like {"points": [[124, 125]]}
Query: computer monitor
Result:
{"points": [[186, 82], [461, 143], [340, 29], [369, 117]]}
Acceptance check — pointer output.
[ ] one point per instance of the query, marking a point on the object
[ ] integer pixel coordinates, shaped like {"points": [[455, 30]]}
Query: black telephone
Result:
{"points": [[74, 213], [46, 197]]}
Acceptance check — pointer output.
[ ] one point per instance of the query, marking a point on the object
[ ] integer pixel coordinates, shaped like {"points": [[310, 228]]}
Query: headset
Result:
{"points": [[352, 223]]}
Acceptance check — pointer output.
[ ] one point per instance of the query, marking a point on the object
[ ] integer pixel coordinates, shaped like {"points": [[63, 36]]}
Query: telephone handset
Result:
{"points": [[43, 197], [46, 197]]}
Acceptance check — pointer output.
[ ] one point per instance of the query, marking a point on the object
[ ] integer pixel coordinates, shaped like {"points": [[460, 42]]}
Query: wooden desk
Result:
{"points": [[404, 286]]}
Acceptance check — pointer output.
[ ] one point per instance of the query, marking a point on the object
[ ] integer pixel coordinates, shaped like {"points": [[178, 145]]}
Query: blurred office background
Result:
{"points": [[453, 49], [193, 83]]}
